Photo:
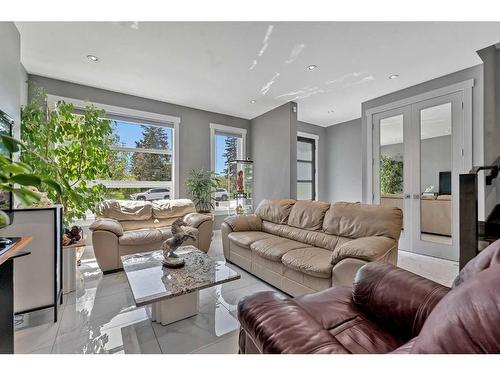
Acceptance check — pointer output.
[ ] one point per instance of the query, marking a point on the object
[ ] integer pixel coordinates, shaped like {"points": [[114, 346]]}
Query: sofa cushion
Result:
{"points": [[245, 239], [308, 214], [167, 208], [126, 210], [309, 260], [146, 224], [312, 238], [274, 247], [334, 309], [444, 197], [275, 210], [356, 220], [140, 237]]}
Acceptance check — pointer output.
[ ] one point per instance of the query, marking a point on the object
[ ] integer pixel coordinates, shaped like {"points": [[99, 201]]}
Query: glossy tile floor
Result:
{"points": [[101, 317]]}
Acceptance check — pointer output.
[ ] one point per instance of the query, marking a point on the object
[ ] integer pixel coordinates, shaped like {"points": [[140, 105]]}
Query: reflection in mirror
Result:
{"points": [[391, 162], [435, 174]]}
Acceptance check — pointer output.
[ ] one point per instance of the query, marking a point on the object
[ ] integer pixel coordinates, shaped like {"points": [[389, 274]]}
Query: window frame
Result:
{"points": [[229, 130], [116, 113], [315, 140]]}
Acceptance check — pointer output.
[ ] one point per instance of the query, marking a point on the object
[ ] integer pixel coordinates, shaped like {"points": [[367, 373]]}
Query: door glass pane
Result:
{"points": [[391, 162], [304, 151], [435, 174], [304, 190], [306, 168], [304, 171]]}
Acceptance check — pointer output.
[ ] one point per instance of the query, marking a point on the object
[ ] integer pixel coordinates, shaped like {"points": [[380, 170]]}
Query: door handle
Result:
{"points": [[407, 196], [416, 196]]}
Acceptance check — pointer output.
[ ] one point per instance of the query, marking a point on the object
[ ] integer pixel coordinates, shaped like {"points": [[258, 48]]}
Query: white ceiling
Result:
{"points": [[221, 66]]}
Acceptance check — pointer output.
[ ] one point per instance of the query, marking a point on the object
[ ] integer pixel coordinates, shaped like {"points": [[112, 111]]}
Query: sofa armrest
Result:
{"points": [[107, 224], [195, 219], [364, 248], [396, 298], [277, 324], [243, 223]]}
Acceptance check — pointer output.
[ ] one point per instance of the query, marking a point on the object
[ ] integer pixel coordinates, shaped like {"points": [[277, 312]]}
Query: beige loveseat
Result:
{"points": [[127, 227], [306, 246]]}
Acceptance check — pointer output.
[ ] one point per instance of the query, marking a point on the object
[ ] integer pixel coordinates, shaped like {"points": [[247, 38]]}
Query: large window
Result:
{"points": [[141, 162], [228, 143], [144, 156]]}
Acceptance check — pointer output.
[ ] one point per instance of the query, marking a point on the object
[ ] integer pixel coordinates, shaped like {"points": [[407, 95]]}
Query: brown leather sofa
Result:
{"points": [[305, 246], [127, 227], [387, 310]]}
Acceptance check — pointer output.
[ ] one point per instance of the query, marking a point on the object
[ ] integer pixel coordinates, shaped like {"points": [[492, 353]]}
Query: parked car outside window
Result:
{"points": [[221, 194], [151, 194]]}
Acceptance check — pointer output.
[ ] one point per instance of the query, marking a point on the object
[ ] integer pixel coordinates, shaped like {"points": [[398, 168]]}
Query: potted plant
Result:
{"points": [[77, 146], [19, 178], [200, 185]]}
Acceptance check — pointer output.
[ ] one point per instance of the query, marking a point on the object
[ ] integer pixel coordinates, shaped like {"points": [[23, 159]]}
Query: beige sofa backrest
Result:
{"points": [[142, 214], [308, 215], [275, 210], [326, 225], [355, 220], [126, 210]]}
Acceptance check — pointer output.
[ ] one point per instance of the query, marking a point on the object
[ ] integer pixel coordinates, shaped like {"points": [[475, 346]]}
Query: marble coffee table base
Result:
{"points": [[174, 309]]}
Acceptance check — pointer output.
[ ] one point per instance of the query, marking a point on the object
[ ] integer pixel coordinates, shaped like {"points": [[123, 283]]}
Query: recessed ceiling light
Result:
{"points": [[253, 101], [331, 111], [93, 58], [393, 76], [312, 67]]}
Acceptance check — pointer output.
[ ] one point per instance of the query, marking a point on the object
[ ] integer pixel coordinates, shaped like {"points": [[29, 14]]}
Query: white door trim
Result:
{"points": [[464, 86], [316, 158]]}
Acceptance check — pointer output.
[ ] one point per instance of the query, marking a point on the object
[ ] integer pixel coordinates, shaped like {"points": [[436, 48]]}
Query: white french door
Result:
{"points": [[418, 154], [392, 165]]}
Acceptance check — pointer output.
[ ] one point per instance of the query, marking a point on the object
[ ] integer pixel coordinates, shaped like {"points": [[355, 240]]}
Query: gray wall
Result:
{"points": [[343, 158], [321, 164], [10, 70], [274, 150], [435, 157], [194, 127], [491, 73], [475, 72]]}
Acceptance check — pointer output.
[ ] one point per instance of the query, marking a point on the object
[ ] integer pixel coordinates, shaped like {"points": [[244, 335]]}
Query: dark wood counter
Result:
{"points": [[14, 249]]}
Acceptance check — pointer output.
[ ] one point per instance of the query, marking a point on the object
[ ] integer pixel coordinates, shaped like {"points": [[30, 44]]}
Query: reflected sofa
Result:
{"points": [[436, 211], [305, 246], [127, 227], [387, 310]]}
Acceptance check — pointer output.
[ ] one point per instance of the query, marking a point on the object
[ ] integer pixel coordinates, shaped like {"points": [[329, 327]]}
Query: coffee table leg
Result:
{"points": [[175, 309]]}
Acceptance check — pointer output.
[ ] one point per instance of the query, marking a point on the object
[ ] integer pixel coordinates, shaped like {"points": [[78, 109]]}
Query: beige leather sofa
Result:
{"points": [[127, 227], [306, 246], [436, 211]]}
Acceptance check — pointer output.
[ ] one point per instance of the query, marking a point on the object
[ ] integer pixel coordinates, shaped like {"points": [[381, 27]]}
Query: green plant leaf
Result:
{"points": [[54, 185], [27, 196], [26, 179], [10, 143]]}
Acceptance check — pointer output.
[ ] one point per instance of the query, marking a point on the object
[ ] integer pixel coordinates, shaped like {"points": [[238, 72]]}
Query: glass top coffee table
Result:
{"points": [[173, 293]]}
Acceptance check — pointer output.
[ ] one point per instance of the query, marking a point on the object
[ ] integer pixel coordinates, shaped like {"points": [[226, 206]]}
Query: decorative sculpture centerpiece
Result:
{"points": [[170, 258]]}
